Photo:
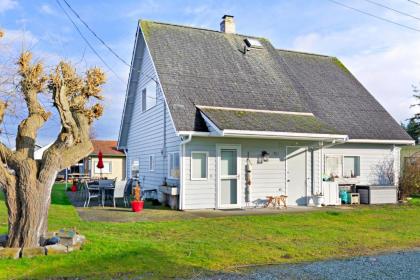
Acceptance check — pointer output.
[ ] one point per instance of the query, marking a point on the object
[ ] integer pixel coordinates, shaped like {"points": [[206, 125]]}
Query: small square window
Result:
{"points": [[199, 165], [148, 96], [351, 166]]}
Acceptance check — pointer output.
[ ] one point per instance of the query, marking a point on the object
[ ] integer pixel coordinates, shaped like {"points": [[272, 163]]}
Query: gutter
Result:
{"points": [[181, 170]]}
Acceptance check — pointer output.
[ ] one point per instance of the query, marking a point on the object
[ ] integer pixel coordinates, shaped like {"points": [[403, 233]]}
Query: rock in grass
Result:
{"points": [[33, 252], [3, 239], [53, 240], [56, 249], [9, 253]]}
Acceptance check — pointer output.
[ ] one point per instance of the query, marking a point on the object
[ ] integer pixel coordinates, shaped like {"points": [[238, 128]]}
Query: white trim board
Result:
{"points": [[255, 110], [381, 141]]}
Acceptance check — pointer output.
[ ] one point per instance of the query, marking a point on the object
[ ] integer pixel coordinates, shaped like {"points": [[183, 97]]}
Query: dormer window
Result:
{"points": [[148, 96]]}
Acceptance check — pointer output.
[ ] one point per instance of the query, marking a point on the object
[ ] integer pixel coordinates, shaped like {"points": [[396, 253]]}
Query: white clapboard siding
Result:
{"points": [[146, 129], [268, 178], [371, 157]]}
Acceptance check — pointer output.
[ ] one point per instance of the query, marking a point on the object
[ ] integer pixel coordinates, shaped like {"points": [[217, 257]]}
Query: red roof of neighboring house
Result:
{"points": [[107, 147]]}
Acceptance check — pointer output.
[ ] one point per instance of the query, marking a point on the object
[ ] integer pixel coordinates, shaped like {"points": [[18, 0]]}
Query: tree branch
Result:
{"points": [[33, 82], [71, 93]]}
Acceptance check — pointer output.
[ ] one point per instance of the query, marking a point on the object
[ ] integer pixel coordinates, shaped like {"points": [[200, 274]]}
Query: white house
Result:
{"points": [[201, 105]]}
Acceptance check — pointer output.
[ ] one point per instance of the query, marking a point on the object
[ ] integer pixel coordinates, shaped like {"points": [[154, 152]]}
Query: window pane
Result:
{"points": [[174, 165], [229, 191], [351, 166], [228, 162], [199, 165], [151, 94], [333, 166]]}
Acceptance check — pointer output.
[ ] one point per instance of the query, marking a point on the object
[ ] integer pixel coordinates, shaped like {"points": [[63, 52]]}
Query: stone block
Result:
{"points": [[56, 249], [33, 252], [67, 238], [67, 241], [9, 253]]}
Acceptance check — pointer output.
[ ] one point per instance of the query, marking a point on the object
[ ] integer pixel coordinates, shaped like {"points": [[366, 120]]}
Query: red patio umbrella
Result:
{"points": [[100, 164]]}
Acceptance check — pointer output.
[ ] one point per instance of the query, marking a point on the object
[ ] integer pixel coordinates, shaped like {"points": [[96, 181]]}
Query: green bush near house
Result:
{"points": [[188, 247]]}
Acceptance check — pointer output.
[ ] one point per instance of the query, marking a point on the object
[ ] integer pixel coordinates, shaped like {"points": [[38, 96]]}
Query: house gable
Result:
{"points": [[150, 132]]}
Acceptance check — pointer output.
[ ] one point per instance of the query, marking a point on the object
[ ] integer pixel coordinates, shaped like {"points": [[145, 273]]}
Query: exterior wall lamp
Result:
{"points": [[265, 155]]}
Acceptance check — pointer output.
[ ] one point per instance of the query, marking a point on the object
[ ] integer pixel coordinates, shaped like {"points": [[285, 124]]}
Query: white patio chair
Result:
{"points": [[91, 192], [119, 192]]}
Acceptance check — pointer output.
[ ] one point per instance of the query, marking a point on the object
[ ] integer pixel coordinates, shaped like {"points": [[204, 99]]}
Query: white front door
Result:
{"points": [[296, 181], [229, 186]]}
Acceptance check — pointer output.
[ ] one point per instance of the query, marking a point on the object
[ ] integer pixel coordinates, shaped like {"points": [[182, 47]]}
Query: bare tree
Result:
{"points": [[26, 182], [385, 172]]}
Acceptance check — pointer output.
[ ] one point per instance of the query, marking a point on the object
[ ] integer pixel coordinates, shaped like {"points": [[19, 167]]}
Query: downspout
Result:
{"points": [[126, 162], [181, 175]]}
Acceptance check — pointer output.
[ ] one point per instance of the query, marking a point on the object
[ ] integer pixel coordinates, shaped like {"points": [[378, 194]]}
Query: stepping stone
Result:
{"points": [[9, 253], [33, 252], [56, 249]]}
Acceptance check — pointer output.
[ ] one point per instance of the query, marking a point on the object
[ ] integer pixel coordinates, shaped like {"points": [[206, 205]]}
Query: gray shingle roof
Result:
{"points": [[264, 121], [205, 67]]}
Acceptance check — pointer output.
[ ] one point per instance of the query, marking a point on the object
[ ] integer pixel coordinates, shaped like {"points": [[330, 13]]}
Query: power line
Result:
{"points": [[87, 42], [414, 2], [392, 9], [375, 16], [105, 44]]}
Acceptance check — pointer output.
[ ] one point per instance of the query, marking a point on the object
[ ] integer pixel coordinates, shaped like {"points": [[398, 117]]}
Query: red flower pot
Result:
{"points": [[137, 206]]}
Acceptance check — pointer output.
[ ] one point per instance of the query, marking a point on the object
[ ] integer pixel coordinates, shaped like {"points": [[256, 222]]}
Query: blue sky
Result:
{"points": [[384, 57]]}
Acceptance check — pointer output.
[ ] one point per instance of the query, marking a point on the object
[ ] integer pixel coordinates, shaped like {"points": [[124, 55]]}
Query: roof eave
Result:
{"points": [[382, 141]]}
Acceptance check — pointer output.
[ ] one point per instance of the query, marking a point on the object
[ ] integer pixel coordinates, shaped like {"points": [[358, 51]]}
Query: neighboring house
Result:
{"points": [[113, 159], [201, 104]]}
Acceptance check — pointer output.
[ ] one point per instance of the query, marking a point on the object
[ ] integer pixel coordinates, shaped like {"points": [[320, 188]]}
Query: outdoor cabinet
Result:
{"points": [[377, 194], [331, 193]]}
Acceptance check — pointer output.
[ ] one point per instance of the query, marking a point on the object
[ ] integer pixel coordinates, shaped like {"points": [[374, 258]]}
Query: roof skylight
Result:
{"points": [[253, 43]]}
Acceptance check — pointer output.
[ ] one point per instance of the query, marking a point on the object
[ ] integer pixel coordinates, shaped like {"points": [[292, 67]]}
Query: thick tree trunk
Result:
{"points": [[28, 214]]}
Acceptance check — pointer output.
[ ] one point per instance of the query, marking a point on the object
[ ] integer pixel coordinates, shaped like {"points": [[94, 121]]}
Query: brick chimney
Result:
{"points": [[228, 24]]}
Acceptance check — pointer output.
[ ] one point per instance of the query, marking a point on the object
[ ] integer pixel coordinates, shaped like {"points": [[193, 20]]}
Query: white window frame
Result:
{"points": [[169, 165], [149, 87], [360, 163], [152, 163], [96, 170], [207, 166], [342, 163]]}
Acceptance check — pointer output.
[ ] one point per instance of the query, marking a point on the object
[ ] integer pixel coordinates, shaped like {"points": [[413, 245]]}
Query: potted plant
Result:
{"points": [[137, 204], [319, 199]]}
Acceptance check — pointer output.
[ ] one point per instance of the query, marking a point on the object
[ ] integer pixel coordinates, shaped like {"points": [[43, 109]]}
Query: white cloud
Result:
{"points": [[7, 5], [46, 9]]}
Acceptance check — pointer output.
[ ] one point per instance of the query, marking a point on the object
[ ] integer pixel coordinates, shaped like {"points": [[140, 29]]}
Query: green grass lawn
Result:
{"points": [[184, 248]]}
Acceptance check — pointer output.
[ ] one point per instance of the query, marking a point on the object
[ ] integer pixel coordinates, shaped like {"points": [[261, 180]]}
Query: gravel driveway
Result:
{"points": [[400, 265]]}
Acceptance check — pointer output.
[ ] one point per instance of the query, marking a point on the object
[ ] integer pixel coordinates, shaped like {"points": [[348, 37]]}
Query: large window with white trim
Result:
{"points": [[199, 165], [342, 166], [148, 96], [173, 165]]}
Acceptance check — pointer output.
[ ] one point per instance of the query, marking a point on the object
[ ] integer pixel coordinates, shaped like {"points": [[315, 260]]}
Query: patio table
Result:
{"points": [[103, 189]]}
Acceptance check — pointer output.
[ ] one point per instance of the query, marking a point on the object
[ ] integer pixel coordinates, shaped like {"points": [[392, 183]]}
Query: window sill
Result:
{"points": [[199, 179]]}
